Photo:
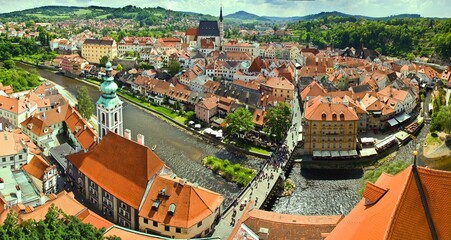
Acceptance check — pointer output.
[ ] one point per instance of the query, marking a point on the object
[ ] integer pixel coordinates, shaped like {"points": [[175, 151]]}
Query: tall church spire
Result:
{"points": [[109, 106], [220, 14]]}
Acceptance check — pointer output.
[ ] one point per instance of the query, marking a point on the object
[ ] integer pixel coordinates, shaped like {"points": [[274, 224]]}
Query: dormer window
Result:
{"points": [[323, 116], [171, 209]]}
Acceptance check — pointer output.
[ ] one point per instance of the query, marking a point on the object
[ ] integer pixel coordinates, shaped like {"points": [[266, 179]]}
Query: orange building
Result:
{"points": [[393, 208], [330, 128]]}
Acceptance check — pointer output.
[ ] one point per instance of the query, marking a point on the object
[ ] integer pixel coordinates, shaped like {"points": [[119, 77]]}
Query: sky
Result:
{"points": [[281, 8]]}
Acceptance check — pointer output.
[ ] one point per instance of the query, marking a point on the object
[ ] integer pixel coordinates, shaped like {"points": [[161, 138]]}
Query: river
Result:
{"points": [[181, 151]]}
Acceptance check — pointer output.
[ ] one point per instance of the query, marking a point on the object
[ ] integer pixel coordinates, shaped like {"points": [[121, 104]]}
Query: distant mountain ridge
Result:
{"points": [[237, 16], [243, 15]]}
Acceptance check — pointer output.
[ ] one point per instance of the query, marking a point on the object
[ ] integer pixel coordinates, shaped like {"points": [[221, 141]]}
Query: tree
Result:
{"points": [[103, 60], [190, 116], [9, 64], [239, 121], [278, 121], [84, 105], [442, 121], [174, 67], [55, 225], [119, 67]]}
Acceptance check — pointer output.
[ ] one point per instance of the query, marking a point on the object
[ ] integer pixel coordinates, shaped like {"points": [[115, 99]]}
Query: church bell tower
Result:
{"points": [[109, 106]]}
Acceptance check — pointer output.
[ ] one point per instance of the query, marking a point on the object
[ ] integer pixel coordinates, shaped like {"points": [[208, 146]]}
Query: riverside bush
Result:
{"points": [[232, 172]]}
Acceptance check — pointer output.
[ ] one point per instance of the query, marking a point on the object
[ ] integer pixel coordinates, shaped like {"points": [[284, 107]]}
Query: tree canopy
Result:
{"points": [[55, 225], [103, 60], [174, 67], [442, 121], [278, 121], [240, 121], [84, 105], [119, 67], [19, 79]]}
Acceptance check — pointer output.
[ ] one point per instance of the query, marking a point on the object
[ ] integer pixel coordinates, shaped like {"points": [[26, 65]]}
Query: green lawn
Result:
{"points": [[104, 16], [251, 148], [81, 12], [161, 109], [430, 140]]}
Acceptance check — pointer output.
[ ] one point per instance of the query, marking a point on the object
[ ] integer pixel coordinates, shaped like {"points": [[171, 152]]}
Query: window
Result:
{"points": [[146, 221], [155, 224], [123, 206], [167, 228], [199, 224], [178, 230]]}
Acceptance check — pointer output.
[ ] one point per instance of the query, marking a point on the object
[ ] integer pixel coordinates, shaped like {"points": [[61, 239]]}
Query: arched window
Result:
{"points": [[103, 118], [115, 130], [103, 131], [116, 117]]}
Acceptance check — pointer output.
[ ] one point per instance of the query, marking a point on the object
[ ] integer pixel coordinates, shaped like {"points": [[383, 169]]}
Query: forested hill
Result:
{"points": [[148, 16], [407, 37]]}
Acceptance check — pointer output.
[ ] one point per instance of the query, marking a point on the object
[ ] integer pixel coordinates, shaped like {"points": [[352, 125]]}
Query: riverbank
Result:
{"points": [[170, 117]]}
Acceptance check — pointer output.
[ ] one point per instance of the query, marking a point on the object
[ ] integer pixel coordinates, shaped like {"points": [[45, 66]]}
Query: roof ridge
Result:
{"points": [[393, 216]]}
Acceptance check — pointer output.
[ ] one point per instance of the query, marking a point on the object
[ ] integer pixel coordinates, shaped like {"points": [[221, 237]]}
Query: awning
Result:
{"points": [[403, 117], [385, 141], [325, 154], [392, 122], [367, 140], [353, 153], [344, 153], [368, 152], [335, 154], [316, 154]]}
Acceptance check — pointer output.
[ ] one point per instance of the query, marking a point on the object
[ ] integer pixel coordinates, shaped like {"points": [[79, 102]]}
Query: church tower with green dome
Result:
{"points": [[109, 106]]}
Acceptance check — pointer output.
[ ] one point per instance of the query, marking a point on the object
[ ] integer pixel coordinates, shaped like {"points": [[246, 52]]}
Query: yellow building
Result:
{"points": [[93, 50], [279, 87], [330, 128]]}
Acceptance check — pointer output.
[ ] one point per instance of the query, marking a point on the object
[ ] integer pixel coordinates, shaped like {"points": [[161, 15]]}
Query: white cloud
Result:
{"points": [[377, 8]]}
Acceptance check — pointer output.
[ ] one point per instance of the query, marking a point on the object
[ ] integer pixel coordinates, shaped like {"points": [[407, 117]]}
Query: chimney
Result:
{"points": [[128, 134], [43, 115], [42, 199], [58, 109], [2, 184], [84, 127], [141, 139], [18, 194]]}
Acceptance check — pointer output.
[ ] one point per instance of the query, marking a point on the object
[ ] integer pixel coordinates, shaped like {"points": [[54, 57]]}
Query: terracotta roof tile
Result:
{"points": [[125, 171], [95, 220], [192, 203], [399, 213], [319, 106], [37, 167], [287, 226]]}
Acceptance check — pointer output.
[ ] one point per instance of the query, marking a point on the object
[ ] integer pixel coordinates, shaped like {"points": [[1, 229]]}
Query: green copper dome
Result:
{"points": [[108, 99]]}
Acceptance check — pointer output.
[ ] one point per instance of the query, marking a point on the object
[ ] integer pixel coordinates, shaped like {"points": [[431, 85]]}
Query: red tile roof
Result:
{"points": [[37, 167], [95, 220], [192, 203], [286, 226], [125, 171], [399, 213], [312, 90], [320, 106]]}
